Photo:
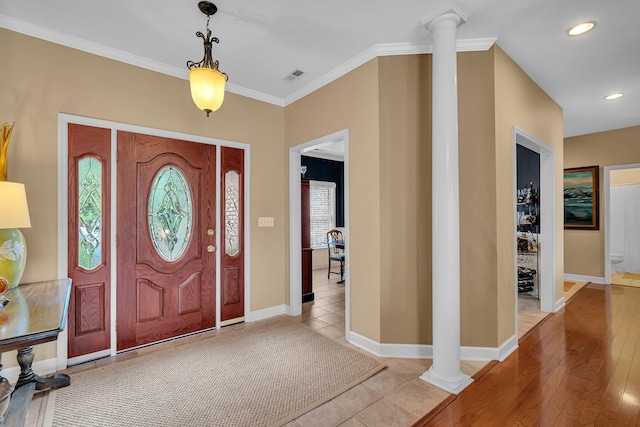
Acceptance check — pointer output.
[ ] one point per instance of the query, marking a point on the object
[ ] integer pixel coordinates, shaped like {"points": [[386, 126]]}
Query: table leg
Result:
{"points": [[5, 395], [25, 359]]}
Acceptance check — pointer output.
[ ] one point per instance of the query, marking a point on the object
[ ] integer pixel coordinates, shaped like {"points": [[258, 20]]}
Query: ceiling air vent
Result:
{"points": [[294, 75]]}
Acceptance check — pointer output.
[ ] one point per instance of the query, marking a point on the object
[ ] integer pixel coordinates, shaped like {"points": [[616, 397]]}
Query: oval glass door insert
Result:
{"points": [[170, 213]]}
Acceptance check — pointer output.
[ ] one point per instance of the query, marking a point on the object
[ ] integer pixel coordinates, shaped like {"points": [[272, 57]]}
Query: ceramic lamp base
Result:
{"points": [[13, 255]]}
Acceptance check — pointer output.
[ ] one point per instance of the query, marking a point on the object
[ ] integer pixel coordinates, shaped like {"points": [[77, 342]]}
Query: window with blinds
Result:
{"points": [[322, 200]]}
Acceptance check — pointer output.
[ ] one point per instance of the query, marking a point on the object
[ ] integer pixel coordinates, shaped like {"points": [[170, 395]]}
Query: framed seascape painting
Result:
{"points": [[581, 198]]}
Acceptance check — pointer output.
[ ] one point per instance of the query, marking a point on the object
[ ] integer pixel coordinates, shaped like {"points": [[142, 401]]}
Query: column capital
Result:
{"points": [[449, 11]]}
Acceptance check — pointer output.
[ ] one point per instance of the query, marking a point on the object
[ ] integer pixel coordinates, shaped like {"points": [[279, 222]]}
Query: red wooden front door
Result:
{"points": [[165, 238]]}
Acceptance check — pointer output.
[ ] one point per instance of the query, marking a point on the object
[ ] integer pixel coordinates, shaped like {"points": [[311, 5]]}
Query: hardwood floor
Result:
{"points": [[580, 366], [529, 314]]}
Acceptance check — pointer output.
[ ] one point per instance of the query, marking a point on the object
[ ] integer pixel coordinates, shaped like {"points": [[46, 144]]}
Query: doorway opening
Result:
{"points": [[622, 225], [335, 147], [527, 231], [538, 228]]}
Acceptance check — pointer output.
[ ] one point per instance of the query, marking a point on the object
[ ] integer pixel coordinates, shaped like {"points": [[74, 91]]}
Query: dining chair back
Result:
{"points": [[335, 246]]}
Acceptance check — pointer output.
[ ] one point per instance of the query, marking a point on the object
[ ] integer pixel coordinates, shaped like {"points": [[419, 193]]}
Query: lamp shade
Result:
{"points": [[207, 88], [14, 212]]}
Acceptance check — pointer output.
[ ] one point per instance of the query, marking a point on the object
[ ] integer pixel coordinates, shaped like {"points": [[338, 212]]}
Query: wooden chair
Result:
{"points": [[335, 246]]}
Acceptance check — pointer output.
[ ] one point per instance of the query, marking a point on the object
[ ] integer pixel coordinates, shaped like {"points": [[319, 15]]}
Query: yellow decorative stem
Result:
{"points": [[5, 136]]}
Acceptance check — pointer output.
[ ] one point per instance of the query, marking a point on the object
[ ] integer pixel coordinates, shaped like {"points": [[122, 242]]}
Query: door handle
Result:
{"points": [[211, 248]]}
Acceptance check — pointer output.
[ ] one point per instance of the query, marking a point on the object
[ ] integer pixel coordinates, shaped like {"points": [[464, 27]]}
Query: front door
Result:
{"points": [[165, 238]]}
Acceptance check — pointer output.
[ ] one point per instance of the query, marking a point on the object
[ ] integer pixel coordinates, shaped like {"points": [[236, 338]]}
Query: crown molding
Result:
{"points": [[90, 47], [118, 55], [387, 49], [254, 94]]}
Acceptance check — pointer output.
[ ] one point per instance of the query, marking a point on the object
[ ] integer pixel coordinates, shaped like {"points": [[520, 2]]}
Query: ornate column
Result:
{"points": [[445, 372]]}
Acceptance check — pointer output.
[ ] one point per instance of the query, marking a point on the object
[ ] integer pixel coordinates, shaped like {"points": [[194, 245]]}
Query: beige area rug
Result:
{"points": [[260, 376], [633, 276]]}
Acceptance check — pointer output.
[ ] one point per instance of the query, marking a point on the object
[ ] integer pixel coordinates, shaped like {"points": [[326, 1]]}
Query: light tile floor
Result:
{"points": [[393, 397]]}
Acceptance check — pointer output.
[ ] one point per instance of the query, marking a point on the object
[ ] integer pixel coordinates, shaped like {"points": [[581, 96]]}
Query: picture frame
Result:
{"points": [[581, 198]]}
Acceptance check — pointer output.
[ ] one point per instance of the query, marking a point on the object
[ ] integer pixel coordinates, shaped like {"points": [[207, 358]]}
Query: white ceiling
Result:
{"points": [[262, 42]]}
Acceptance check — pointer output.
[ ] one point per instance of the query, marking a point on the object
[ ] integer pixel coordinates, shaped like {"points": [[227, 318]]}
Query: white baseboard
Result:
{"points": [[266, 313], [42, 367], [508, 347], [407, 351], [404, 351], [559, 304], [580, 278], [485, 354], [364, 343], [425, 351]]}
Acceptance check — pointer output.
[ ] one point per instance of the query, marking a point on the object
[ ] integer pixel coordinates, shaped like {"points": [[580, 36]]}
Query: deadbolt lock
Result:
{"points": [[210, 232]]}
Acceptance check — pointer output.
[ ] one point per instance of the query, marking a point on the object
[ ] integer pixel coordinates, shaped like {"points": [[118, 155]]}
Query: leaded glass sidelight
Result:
{"points": [[170, 213], [232, 212], [89, 212]]}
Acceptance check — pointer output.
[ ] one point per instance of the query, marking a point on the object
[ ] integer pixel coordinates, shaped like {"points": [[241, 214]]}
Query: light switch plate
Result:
{"points": [[265, 221]]}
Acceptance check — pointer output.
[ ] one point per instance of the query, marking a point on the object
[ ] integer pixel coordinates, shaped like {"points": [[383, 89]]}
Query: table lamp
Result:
{"points": [[14, 214]]}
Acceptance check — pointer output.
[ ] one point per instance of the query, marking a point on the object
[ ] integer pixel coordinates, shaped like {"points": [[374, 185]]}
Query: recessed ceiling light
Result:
{"points": [[613, 96], [582, 28]]}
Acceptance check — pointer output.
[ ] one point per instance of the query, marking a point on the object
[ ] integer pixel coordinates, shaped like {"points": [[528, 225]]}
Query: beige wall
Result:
{"points": [[520, 102], [624, 176], [478, 256], [584, 249], [405, 199], [41, 79], [351, 102]]}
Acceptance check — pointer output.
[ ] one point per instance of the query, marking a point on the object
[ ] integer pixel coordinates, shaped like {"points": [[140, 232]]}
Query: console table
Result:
{"points": [[36, 314]]}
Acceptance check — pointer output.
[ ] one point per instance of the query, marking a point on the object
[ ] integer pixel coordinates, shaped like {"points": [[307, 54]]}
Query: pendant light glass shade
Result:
{"points": [[207, 88]]}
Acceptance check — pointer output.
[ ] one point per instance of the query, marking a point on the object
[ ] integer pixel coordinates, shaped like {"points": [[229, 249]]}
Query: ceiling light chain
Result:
{"points": [[207, 61], [206, 81]]}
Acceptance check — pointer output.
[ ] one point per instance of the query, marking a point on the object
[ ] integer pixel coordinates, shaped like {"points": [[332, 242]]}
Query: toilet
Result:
{"points": [[616, 260]]}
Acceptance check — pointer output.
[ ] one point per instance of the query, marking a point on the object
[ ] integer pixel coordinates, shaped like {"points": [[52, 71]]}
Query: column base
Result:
{"points": [[453, 387]]}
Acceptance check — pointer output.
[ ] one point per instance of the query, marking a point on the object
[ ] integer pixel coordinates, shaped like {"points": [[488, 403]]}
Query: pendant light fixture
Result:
{"points": [[206, 81]]}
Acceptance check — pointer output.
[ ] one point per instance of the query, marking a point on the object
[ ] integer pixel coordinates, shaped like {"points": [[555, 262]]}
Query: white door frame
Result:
{"points": [[547, 241], [607, 216], [295, 232], [63, 167]]}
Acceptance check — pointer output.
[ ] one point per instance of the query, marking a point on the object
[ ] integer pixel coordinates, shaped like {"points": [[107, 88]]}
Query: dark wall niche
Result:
{"points": [[528, 183]]}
